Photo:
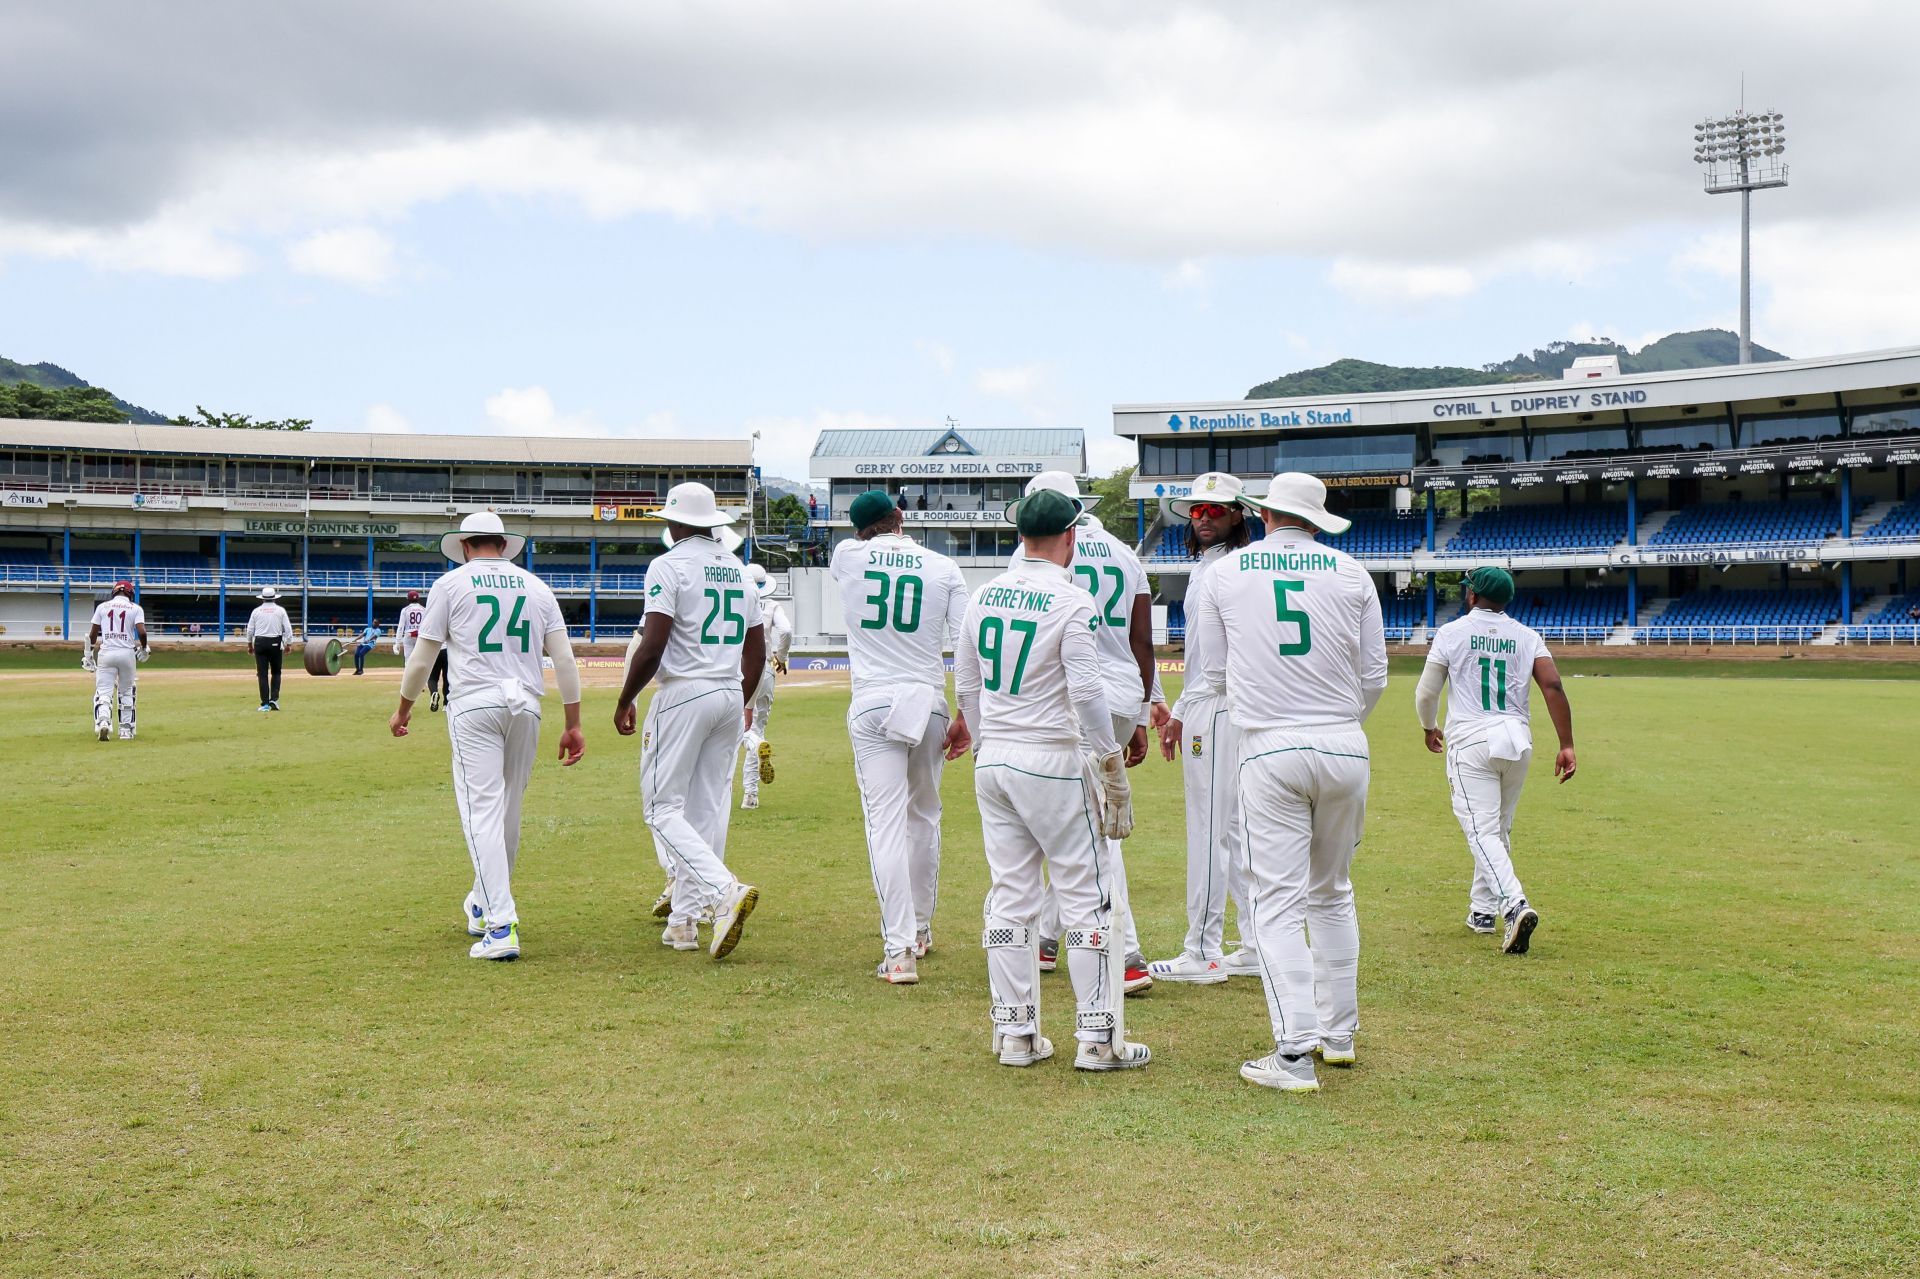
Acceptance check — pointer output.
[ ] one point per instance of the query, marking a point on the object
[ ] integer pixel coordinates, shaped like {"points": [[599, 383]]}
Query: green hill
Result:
{"points": [[51, 392], [1701, 348]]}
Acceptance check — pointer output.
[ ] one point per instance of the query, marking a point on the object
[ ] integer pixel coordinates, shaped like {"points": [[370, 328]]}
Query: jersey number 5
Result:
{"points": [[517, 626], [1282, 587], [906, 590]]}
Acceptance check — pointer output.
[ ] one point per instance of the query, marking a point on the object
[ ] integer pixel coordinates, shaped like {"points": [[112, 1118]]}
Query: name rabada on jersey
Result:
{"points": [[1289, 561], [1491, 644], [1011, 597], [721, 573]]}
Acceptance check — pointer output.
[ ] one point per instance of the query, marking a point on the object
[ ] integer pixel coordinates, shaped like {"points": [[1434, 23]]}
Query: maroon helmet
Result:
{"points": [[413, 597], [123, 588]]}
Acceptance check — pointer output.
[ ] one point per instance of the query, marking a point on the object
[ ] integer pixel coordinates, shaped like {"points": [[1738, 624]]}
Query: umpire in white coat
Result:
{"points": [[1299, 627]]}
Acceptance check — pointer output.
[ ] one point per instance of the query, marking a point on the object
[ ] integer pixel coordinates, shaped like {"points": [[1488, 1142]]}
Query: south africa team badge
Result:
{"points": [[1197, 750]]}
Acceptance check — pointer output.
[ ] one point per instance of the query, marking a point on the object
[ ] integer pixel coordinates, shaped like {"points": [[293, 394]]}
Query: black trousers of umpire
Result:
{"points": [[266, 665]]}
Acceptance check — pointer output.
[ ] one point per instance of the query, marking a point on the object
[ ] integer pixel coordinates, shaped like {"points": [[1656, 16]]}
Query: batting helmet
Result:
{"points": [[123, 588], [413, 597]]}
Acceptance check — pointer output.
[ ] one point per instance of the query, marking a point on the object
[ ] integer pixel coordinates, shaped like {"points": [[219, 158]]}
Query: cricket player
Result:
{"points": [[756, 757], [1051, 783], [903, 606], [269, 631], [406, 633], [1488, 658], [116, 643], [1306, 660], [1107, 569], [1202, 737], [496, 620], [702, 635]]}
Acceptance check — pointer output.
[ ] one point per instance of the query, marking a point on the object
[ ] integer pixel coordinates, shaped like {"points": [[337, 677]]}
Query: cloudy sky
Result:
{"points": [[714, 217]]}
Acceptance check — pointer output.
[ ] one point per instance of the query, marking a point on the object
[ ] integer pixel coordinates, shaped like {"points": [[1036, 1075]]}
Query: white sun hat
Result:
{"points": [[1298, 494], [1058, 482], [1214, 486], [480, 524], [757, 574], [730, 541], [692, 504], [268, 593]]}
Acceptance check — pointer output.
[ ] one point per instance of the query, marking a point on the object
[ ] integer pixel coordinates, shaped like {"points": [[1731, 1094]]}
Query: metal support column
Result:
{"points": [[1846, 592], [1139, 521], [1633, 512], [136, 565], [222, 615], [66, 580], [593, 589], [1633, 597], [1846, 502], [369, 581]]}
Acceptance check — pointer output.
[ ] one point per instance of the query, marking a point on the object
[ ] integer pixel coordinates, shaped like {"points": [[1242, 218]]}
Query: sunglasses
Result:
{"points": [[1207, 510]]}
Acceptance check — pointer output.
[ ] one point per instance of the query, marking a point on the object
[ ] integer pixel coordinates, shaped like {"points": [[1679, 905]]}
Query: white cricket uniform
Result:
{"points": [[1028, 675], [114, 663], [692, 729], [903, 606], [779, 643], [1108, 570], [1210, 769], [493, 617], [1487, 659], [1306, 658], [406, 631]]}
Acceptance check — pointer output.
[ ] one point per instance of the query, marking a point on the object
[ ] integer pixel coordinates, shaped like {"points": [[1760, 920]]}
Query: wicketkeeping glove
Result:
{"points": [[142, 654], [1116, 797]]}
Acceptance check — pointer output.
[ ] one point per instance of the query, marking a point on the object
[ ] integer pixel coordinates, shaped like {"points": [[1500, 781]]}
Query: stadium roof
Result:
{"points": [[988, 442], [496, 450]]}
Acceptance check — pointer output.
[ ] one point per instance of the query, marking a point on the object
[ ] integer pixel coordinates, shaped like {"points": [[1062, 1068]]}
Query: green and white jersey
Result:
{"points": [[903, 605], [713, 606], [494, 618], [1027, 671], [1299, 625], [1108, 570], [1488, 659]]}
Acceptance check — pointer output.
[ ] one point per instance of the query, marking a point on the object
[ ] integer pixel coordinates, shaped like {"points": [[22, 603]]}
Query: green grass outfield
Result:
{"points": [[243, 1037]]}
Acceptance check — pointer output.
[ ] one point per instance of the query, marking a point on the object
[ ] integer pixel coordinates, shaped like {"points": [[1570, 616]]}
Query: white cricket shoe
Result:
{"points": [[1521, 921], [922, 943], [1335, 1050], [474, 918], [1288, 1074], [681, 936], [499, 943], [1191, 969], [102, 730], [663, 904], [1131, 1056], [898, 969], [731, 917], [1242, 963], [749, 801], [1022, 1050], [126, 734]]}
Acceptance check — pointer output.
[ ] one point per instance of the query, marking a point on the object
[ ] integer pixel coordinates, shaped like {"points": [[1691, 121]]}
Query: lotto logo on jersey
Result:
{"points": [[1198, 749], [1093, 623], [655, 589]]}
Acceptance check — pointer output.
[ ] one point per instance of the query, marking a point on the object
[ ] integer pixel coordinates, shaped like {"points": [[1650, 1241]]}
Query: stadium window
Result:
{"points": [[1887, 420], [489, 482], [573, 484], [106, 468], [409, 481], [1784, 428], [1377, 451], [1548, 445], [1695, 433]]}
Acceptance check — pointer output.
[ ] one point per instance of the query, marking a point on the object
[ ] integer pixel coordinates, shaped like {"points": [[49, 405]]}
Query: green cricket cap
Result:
{"points": [[1044, 513], [1492, 584], [869, 508]]}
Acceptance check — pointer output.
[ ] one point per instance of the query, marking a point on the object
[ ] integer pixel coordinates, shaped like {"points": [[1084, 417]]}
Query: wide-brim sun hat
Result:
{"points": [[757, 574], [693, 504], [1215, 486], [268, 593], [1300, 495], [1052, 482], [480, 524], [730, 541]]}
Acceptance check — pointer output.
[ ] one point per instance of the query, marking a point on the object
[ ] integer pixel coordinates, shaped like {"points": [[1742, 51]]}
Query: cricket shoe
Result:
{"points": [[681, 936], [1190, 969], [1131, 1056], [923, 943], [730, 919], [1022, 1050], [766, 762], [663, 904], [1242, 963], [1521, 921], [1049, 954], [898, 969], [1138, 981], [433, 699], [265, 707], [749, 801], [126, 734], [1335, 1050], [273, 706], [498, 943], [1482, 922], [474, 918], [1288, 1074], [102, 730]]}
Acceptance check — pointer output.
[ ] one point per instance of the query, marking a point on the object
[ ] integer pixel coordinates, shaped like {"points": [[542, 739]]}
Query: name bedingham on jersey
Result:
{"points": [[1108, 570], [1028, 645], [1300, 626], [1488, 658], [713, 606], [494, 618], [116, 619], [903, 606]]}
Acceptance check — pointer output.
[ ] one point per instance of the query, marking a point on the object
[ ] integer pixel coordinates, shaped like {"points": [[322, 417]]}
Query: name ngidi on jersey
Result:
{"points": [[1488, 658], [494, 618], [1031, 643], [902, 605], [706, 593], [1108, 570]]}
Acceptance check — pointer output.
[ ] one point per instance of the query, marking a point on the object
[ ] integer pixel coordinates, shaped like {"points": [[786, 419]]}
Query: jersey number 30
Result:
{"points": [[517, 627], [906, 591]]}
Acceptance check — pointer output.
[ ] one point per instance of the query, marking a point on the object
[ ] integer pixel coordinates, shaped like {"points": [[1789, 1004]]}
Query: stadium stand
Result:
{"points": [[1894, 620], [1758, 616], [1520, 529], [1382, 535], [1583, 612], [1751, 523], [1902, 524]]}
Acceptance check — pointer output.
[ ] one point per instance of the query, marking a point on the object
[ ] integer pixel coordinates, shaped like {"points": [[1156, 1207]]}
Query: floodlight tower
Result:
{"points": [[1741, 152]]}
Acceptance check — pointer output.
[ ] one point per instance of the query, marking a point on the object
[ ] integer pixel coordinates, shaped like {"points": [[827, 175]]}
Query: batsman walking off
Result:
{"points": [[1306, 660], [1488, 658], [493, 620], [116, 644]]}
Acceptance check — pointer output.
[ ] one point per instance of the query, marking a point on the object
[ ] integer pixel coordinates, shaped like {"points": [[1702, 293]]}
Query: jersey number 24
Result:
{"points": [[517, 626]]}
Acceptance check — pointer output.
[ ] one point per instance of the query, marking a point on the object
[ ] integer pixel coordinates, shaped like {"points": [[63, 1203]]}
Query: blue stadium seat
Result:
{"points": [[1902, 524], [1750, 616], [1751, 523], [1519, 530], [1382, 535]]}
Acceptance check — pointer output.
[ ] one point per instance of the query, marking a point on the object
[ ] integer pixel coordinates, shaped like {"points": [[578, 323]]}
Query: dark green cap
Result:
{"points": [[1492, 584], [1044, 513], [869, 508]]}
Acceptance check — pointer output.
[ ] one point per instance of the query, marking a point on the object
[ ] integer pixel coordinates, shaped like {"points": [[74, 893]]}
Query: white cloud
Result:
{"points": [[1184, 277], [355, 255], [384, 419], [1017, 382], [529, 410], [939, 352], [1384, 283], [165, 245]]}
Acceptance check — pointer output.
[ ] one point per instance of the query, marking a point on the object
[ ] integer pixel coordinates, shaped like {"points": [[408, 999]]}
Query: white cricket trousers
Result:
{"points": [[1486, 794], [1304, 796], [114, 666], [1210, 768], [1051, 912], [494, 737], [750, 740], [1038, 812], [686, 784], [900, 799]]}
